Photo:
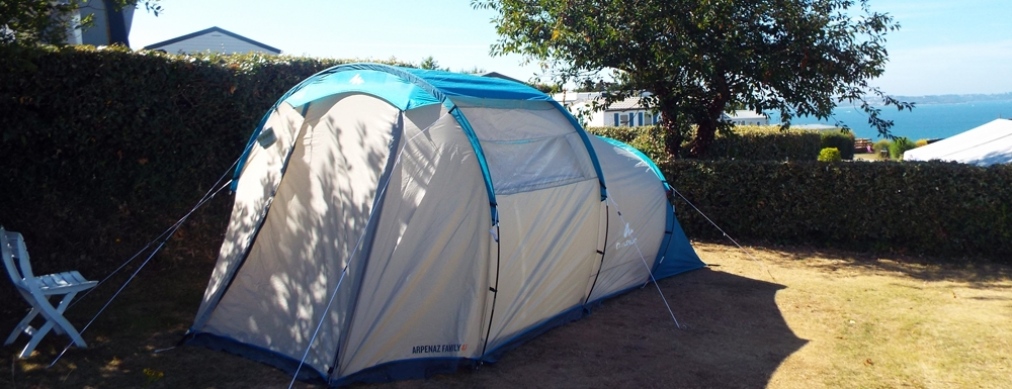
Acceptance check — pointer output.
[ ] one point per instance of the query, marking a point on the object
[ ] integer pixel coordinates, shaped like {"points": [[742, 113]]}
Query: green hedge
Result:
{"points": [[941, 209], [745, 143], [115, 141], [624, 134], [830, 154], [104, 149], [764, 143], [843, 141]]}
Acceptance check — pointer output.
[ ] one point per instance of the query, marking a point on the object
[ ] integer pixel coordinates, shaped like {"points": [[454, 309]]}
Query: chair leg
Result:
{"points": [[36, 338], [60, 308], [64, 326], [22, 326], [54, 321]]}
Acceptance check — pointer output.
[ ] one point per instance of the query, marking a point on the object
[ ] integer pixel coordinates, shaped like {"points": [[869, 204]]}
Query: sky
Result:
{"points": [[942, 47]]}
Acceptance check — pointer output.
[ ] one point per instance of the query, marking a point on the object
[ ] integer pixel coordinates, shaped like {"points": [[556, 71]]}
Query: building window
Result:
{"points": [[625, 119]]}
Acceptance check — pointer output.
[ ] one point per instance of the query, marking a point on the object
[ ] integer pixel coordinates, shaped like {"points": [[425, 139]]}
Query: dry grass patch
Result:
{"points": [[887, 322], [791, 318]]}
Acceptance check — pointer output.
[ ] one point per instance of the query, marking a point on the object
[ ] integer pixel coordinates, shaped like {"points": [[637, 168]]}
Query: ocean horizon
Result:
{"points": [[926, 121]]}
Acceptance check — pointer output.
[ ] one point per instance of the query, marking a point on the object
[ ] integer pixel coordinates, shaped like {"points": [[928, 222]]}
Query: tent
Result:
{"points": [[985, 145], [394, 223]]}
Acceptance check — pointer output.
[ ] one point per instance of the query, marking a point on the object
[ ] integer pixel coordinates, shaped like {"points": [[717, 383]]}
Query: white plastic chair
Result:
{"points": [[37, 291]]}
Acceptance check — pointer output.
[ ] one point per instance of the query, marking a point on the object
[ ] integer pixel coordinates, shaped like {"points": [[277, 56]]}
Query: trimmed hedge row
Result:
{"points": [[104, 149], [943, 209], [842, 141], [648, 139], [745, 143]]}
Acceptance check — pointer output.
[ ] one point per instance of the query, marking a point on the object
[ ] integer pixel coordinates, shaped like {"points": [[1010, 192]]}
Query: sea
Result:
{"points": [[926, 121]]}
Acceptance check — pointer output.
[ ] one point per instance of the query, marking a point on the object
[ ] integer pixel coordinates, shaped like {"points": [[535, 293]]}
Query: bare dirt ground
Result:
{"points": [[778, 318]]}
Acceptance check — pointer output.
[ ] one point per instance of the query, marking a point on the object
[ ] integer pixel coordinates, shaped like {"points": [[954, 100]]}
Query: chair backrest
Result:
{"points": [[11, 242]]}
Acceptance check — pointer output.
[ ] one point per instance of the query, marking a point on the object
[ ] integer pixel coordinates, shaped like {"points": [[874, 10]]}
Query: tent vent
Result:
{"points": [[267, 137]]}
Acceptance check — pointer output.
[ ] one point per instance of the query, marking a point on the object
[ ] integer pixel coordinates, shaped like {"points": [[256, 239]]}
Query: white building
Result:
{"points": [[214, 39], [628, 112], [746, 117], [108, 24], [631, 112]]}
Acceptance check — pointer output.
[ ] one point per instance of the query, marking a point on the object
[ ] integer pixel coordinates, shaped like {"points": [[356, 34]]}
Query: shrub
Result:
{"points": [[944, 209], [921, 142], [103, 148], [882, 147], [900, 145], [766, 143], [650, 140], [624, 134], [842, 141], [745, 142], [830, 154], [109, 146]]}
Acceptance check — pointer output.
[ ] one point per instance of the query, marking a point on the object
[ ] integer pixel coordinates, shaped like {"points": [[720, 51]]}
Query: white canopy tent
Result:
{"points": [[988, 144]]}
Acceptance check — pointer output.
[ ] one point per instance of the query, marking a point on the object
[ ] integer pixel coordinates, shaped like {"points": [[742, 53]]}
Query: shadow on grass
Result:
{"points": [[978, 273], [131, 343], [733, 335]]}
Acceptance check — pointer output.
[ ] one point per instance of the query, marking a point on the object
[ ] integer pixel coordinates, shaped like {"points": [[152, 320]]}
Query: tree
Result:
{"points": [[473, 70], [430, 63], [46, 21], [699, 58]]}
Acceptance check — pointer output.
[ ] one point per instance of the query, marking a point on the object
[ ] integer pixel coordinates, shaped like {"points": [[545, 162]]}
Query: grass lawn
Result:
{"points": [[783, 318]]}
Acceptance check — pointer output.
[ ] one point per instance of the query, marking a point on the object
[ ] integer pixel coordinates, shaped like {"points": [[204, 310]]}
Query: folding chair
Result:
{"points": [[37, 291]]}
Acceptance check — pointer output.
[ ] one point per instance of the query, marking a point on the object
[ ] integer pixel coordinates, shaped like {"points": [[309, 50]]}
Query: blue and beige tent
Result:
{"points": [[395, 223]]}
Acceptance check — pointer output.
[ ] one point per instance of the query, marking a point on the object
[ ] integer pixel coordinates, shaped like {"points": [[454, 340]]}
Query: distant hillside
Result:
{"points": [[952, 99]]}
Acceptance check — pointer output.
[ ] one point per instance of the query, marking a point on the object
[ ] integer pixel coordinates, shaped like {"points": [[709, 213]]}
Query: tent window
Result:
{"points": [[533, 164], [527, 150]]}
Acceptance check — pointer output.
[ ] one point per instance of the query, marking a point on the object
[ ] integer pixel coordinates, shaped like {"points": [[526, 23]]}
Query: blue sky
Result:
{"points": [[943, 47]]}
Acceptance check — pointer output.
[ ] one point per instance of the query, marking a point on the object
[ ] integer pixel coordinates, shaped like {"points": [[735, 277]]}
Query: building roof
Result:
{"points": [[156, 46], [629, 104], [568, 97], [632, 103], [744, 114]]}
